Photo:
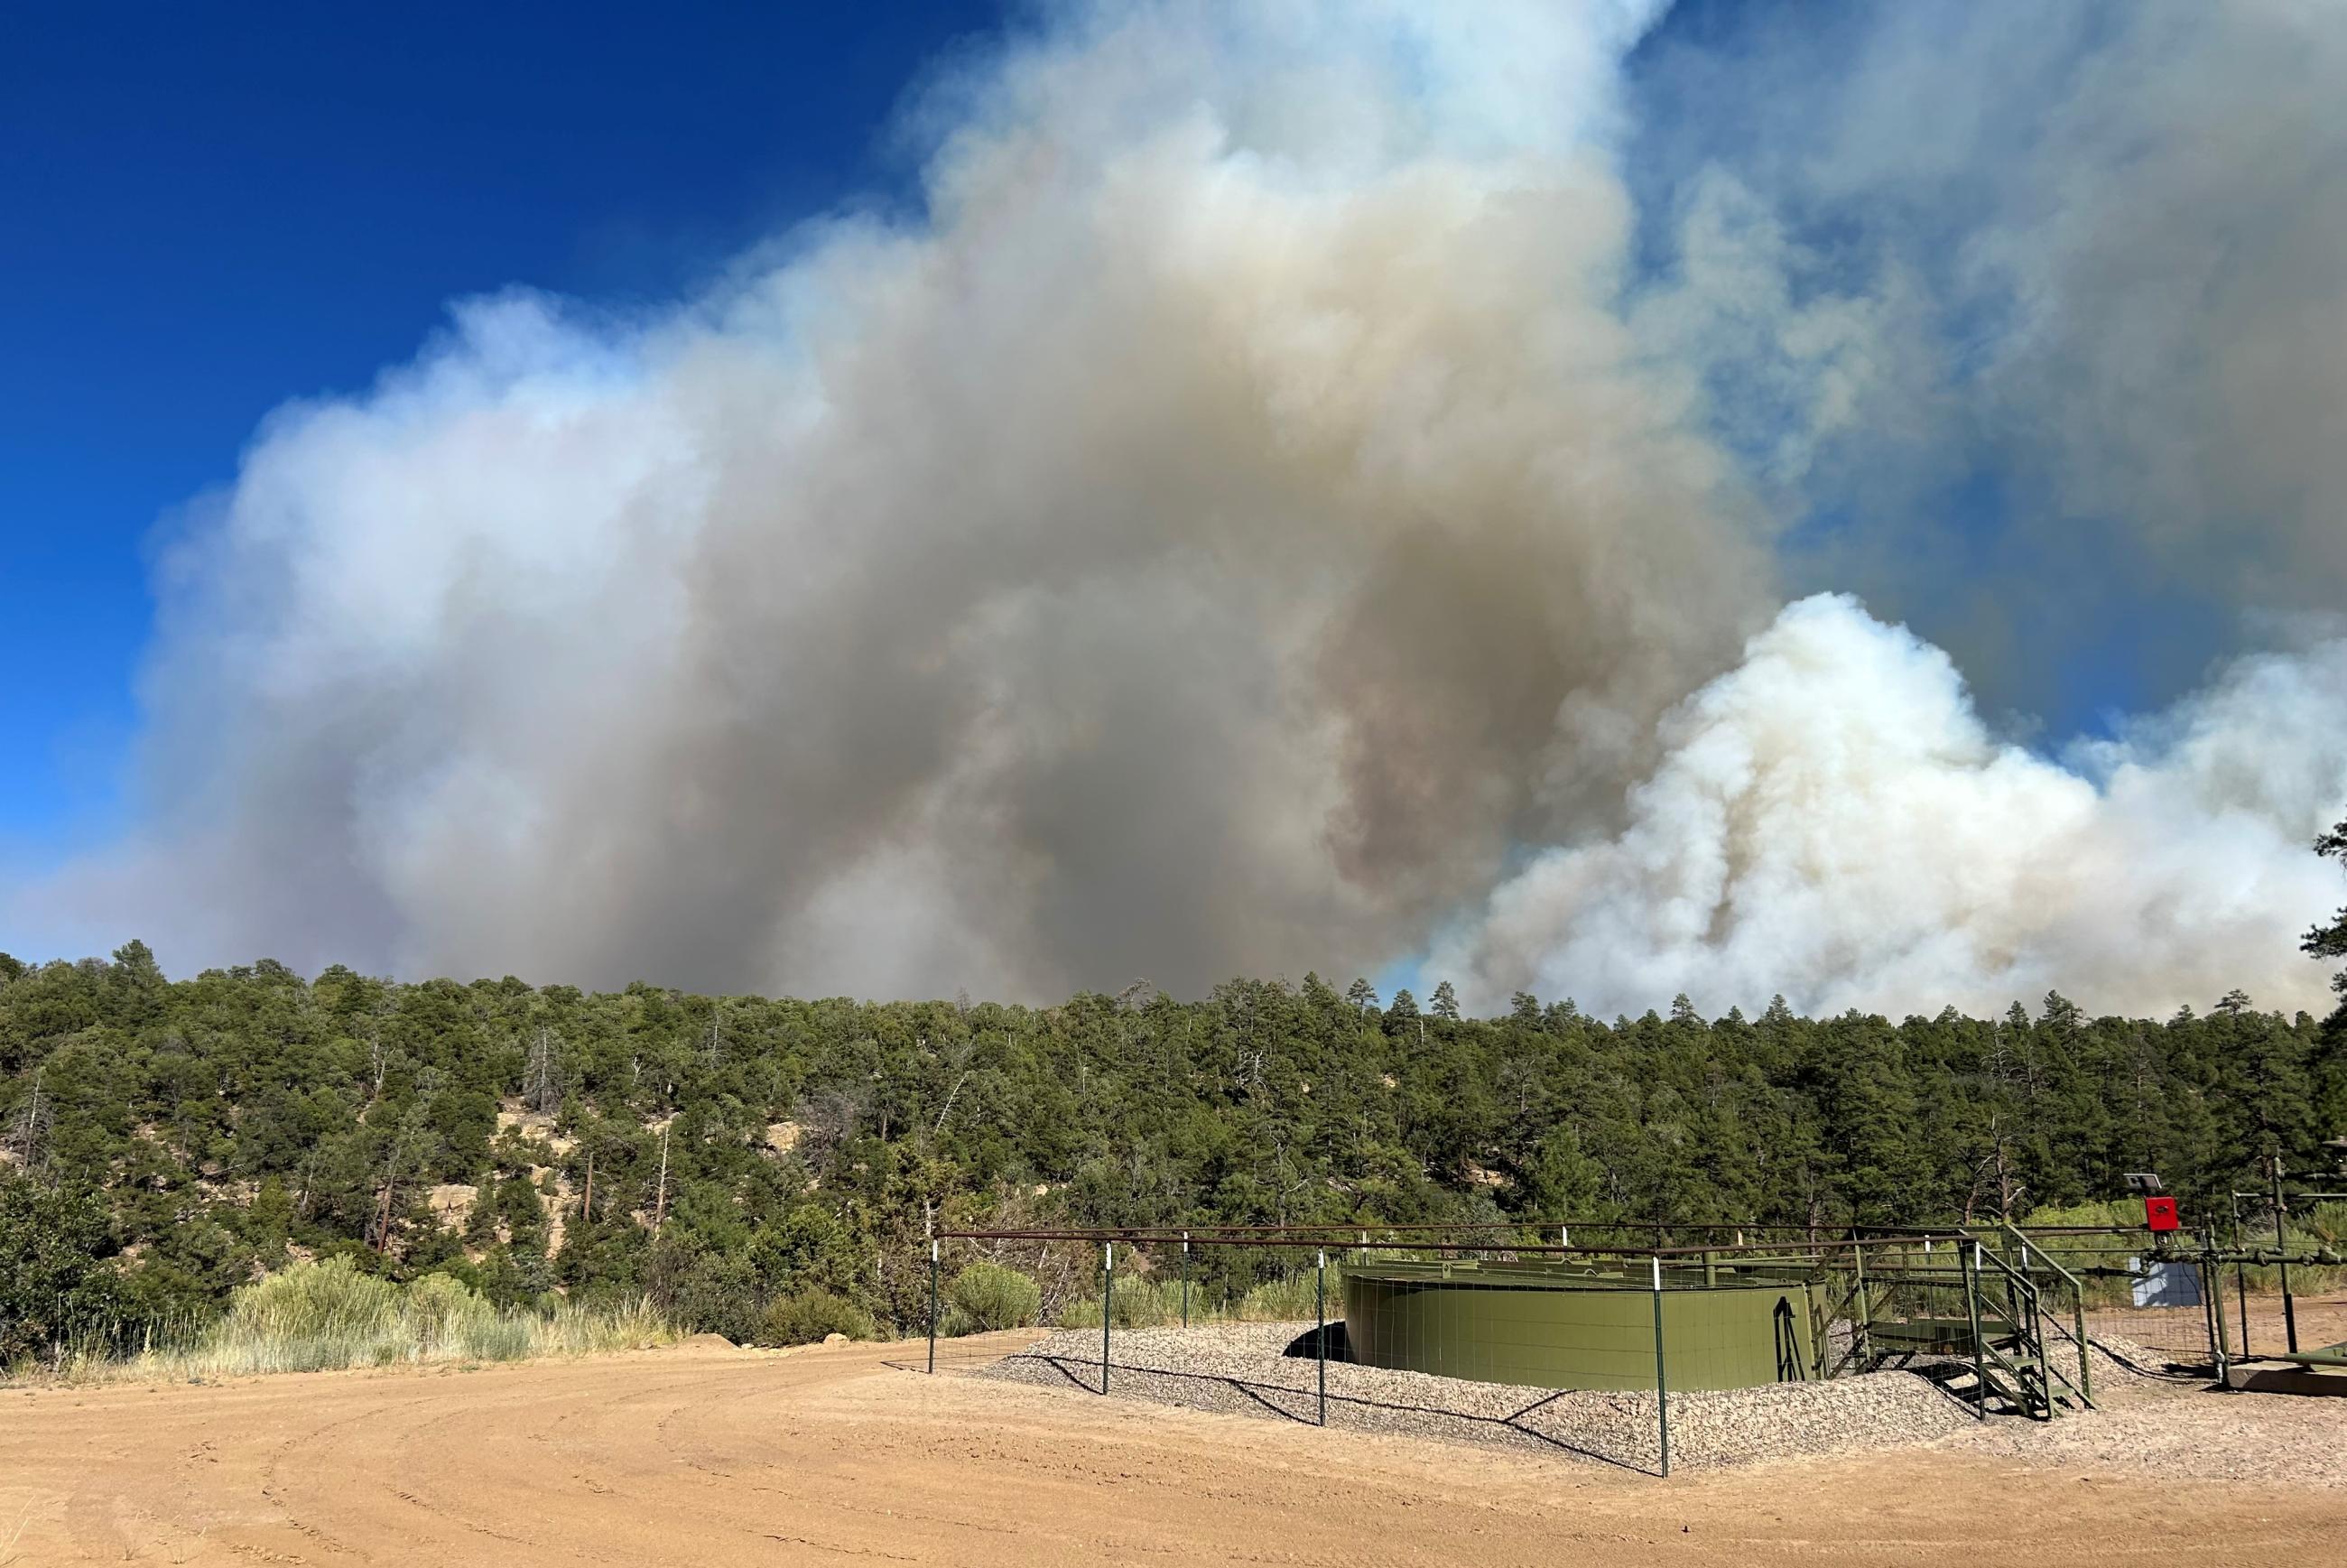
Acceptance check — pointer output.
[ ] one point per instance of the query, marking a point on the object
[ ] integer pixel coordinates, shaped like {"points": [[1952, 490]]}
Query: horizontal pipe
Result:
{"points": [[1868, 1236], [1345, 1236], [1871, 1232]]}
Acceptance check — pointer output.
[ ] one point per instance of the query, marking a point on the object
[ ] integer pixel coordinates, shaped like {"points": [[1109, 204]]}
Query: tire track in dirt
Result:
{"points": [[830, 1456]]}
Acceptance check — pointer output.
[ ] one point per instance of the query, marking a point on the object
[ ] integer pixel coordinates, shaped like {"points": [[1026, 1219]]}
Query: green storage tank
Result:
{"points": [[1569, 1328]]}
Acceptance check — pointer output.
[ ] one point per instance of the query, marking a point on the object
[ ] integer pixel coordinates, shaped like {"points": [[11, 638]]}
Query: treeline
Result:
{"points": [[162, 1141]]}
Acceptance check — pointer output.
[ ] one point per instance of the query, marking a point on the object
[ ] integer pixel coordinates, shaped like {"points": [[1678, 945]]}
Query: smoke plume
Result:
{"points": [[1230, 521], [1833, 822], [1274, 502]]}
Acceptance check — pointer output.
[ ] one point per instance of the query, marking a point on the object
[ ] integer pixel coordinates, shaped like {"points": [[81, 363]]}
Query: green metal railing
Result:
{"points": [[2076, 1331], [2026, 1363]]}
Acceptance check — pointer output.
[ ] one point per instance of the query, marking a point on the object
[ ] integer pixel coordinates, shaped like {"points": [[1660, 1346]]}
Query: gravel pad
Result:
{"points": [[1241, 1369]]}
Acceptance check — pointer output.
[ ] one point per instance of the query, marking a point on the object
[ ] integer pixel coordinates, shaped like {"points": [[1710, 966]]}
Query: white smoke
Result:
{"points": [[1832, 821]]}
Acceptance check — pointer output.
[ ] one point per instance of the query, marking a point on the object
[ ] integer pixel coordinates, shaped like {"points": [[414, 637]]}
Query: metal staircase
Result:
{"points": [[1995, 1357]]}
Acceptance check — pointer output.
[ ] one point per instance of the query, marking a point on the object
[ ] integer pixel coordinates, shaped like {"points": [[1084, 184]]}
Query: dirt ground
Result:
{"points": [[2321, 1320], [721, 1457]]}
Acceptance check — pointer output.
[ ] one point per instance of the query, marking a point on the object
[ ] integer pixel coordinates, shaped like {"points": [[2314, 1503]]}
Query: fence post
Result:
{"points": [[1185, 1279], [2240, 1276], [1662, 1383], [1862, 1333], [2242, 1295], [933, 1307], [1320, 1338], [1967, 1267], [1108, 1302], [2212, 1277], [2079, 1325], [2281, 1250], [2212, 1307]]}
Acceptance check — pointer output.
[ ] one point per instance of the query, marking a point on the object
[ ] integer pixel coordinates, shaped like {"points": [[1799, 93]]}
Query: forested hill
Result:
{"points": [[714, 1150]]}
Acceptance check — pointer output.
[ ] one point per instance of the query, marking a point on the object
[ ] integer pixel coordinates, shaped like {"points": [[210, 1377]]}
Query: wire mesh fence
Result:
{"points": [[2188, 1305], [2147, 1307], [1565, 1338], [1273, 1324], [2287, 1285], [1574, 1338]]}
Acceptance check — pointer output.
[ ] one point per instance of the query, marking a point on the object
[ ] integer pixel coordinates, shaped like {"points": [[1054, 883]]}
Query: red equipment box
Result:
{"points": [[2160, 1214]]}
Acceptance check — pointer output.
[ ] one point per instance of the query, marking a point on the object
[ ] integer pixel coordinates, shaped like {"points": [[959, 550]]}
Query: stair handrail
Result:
{"points": [[2084, 1388], [1857, 1333], [1968, 1266], [2024, 1309], [2029, 1319]]}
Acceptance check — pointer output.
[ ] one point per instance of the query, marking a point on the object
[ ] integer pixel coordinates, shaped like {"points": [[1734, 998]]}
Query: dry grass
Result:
{"points": [[1156, 1302], [327, 1316]]}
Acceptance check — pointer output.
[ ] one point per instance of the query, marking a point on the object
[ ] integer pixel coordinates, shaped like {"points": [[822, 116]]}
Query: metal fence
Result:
{"points": [[1266, 1316], [2188, 1305], [1572, 1337], [1577, 1335]]}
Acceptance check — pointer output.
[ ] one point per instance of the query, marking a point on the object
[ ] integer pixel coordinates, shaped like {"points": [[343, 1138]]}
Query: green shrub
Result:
{"points": [[58, 1280], [806, 1317], [703, 1290], [987, 1296]]}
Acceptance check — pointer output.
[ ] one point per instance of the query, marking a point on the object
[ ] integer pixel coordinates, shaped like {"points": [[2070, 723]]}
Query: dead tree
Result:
{"points": [[28, 1132], [541, 1089]]}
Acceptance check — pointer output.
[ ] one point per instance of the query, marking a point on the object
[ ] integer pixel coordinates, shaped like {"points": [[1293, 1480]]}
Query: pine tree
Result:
{"points": [[1872, 1114], [2330, 941]]}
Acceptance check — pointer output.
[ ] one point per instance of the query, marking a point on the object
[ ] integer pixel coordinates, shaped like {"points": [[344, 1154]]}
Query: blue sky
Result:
{"points": [[211, 209]]}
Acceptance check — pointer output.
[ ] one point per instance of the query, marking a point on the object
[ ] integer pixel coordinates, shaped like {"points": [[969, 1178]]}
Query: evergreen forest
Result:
{"points": [[163, 1141]]}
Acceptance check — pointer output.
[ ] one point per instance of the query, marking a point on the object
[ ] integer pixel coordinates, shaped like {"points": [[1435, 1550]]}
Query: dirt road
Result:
{"points": [[724, 1458]]}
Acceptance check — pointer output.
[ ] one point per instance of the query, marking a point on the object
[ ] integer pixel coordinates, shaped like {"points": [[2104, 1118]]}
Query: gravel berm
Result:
{"points": [[1243, 1368]]}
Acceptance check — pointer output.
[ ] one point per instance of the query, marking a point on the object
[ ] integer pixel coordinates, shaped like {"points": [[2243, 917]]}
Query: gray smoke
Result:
{"points": [[2091, 258], [1264, 510]]}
